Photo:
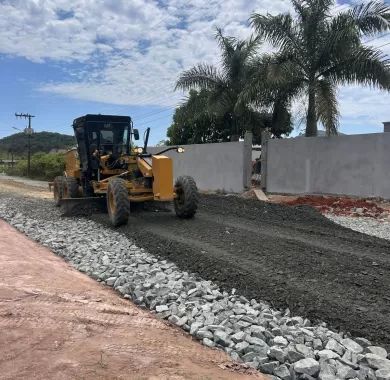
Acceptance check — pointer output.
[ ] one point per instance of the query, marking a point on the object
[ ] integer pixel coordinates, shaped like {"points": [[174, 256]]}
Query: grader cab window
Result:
{"points": [[109, 139]]}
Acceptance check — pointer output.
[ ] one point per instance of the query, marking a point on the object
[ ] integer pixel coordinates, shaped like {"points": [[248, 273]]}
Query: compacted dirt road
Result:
{"points": [[56, 323], [290, 256]]}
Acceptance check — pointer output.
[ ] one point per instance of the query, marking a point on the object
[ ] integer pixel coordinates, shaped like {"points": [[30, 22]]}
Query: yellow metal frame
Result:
{"points": [[158, 167]]}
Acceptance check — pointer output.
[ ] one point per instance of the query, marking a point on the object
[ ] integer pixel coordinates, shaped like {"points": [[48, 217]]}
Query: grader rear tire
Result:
{"points": [[187, 197], [118, 204], [71, 188], [58, 189]]}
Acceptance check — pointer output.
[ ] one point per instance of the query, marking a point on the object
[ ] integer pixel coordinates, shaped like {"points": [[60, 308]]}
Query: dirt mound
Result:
{"points": [[341, 206]]}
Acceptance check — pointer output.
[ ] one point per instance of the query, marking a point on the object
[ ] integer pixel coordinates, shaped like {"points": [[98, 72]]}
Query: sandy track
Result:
{"points": [[57, 323]]}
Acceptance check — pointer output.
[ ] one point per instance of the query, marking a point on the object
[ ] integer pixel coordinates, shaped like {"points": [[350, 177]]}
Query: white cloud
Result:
{"points": [[131, 52], [364, 107]]}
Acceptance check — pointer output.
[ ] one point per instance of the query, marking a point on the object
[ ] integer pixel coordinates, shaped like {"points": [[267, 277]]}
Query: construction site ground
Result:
{"points": [[290, 256], [57, 323]]}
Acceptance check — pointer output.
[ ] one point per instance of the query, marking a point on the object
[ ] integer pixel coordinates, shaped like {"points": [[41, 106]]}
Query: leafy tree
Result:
{"points": [[222, 112], [193, 123], [319, 51], [163, 143]]}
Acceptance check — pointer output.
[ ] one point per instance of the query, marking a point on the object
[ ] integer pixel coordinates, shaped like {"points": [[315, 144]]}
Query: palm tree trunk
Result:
{"points": [[311, 121], [235, 136]]}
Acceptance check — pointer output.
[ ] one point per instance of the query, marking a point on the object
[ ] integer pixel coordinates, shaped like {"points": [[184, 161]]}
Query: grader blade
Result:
{"points": [[82, 206]]}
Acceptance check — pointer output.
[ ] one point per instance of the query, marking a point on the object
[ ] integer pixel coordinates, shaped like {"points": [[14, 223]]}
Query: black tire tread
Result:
{"points": [[119, 189], [191, 197]]}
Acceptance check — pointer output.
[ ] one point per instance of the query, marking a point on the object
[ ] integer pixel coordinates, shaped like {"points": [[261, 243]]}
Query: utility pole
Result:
{"points": [[28, 131]]}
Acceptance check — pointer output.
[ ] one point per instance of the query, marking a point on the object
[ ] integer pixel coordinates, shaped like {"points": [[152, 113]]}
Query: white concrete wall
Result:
{"points": [[222, 166], [351, 165]]}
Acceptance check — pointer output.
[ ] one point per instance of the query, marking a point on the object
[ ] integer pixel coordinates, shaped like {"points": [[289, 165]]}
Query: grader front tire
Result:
{"points": [[187, 197], [118, 204]]}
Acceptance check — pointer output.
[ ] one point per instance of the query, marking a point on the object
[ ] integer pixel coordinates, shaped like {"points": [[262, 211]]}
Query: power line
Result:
{"points": [[152, 121], [160, 118], [377, 38], [152, 98], [155, 113], [388, 43]]}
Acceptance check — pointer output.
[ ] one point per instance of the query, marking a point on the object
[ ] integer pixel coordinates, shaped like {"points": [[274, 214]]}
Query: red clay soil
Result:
{"points": [[340, 205], [56, 323]]}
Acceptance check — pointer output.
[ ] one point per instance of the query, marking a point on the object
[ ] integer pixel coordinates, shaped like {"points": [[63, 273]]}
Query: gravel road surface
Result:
{"points": [[289, 256], [286, 256], [25, 181], [372, 226]]}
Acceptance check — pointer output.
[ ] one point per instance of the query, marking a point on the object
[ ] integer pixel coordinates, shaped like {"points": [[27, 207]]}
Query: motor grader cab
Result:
{"points": [[107, 164]]}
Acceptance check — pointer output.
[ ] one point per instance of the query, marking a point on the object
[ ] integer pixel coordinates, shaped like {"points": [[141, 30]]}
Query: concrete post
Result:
{"points": [[386, 126], [247, 160], [265, 137]]}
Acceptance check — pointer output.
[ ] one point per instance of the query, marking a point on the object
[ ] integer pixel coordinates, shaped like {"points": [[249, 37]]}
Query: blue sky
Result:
{"points": [[60, 59]]}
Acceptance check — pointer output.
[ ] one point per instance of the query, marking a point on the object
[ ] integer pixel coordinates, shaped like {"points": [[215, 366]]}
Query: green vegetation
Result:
{"points": [[40, 142], [315, 53], [217, 112], [44, 166], [318, 52]]}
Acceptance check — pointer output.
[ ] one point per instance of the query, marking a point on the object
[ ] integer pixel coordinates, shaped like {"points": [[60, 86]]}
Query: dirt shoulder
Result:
{"points": [[57, 323], [20, 188]]}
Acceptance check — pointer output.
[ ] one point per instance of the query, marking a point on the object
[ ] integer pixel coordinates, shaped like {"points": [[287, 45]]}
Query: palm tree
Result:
{"points": [[319, 51], [225, 85]]}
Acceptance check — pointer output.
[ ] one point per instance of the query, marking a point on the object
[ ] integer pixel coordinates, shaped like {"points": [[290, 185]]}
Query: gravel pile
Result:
{"points": [[370, 226], [273, 341]]}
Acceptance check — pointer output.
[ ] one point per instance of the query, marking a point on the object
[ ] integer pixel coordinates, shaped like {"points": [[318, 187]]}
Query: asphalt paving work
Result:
{"points": [[288, 256]]}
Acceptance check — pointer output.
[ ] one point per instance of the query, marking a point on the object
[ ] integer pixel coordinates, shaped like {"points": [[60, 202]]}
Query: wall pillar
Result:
{"points": [[247, 160], [265, 137]]}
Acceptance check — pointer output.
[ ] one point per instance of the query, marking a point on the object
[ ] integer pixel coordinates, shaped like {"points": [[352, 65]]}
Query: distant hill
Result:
{"points": [[40, 142]]}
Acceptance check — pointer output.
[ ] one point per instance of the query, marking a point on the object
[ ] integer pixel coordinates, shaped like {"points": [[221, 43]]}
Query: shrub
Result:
{"points": [[43, 166]]}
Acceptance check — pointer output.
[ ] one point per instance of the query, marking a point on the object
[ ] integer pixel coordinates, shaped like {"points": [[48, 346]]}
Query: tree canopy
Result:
{"points": [[215, 110], [318, 51]]}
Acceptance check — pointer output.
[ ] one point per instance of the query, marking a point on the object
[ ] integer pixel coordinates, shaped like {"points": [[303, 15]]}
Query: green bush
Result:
{"points": [[44, 166]]}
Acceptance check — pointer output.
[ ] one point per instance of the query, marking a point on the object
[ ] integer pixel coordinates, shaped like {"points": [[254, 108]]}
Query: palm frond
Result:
{"points": [[364, 66], [227, 46], [200, 76], [371, 17], [225, 42], [278, 30], [299, 8], [327, 106]]}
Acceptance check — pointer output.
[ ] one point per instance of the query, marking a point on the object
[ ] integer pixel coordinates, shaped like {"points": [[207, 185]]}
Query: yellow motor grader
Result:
{"points": [[106, 164]]}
